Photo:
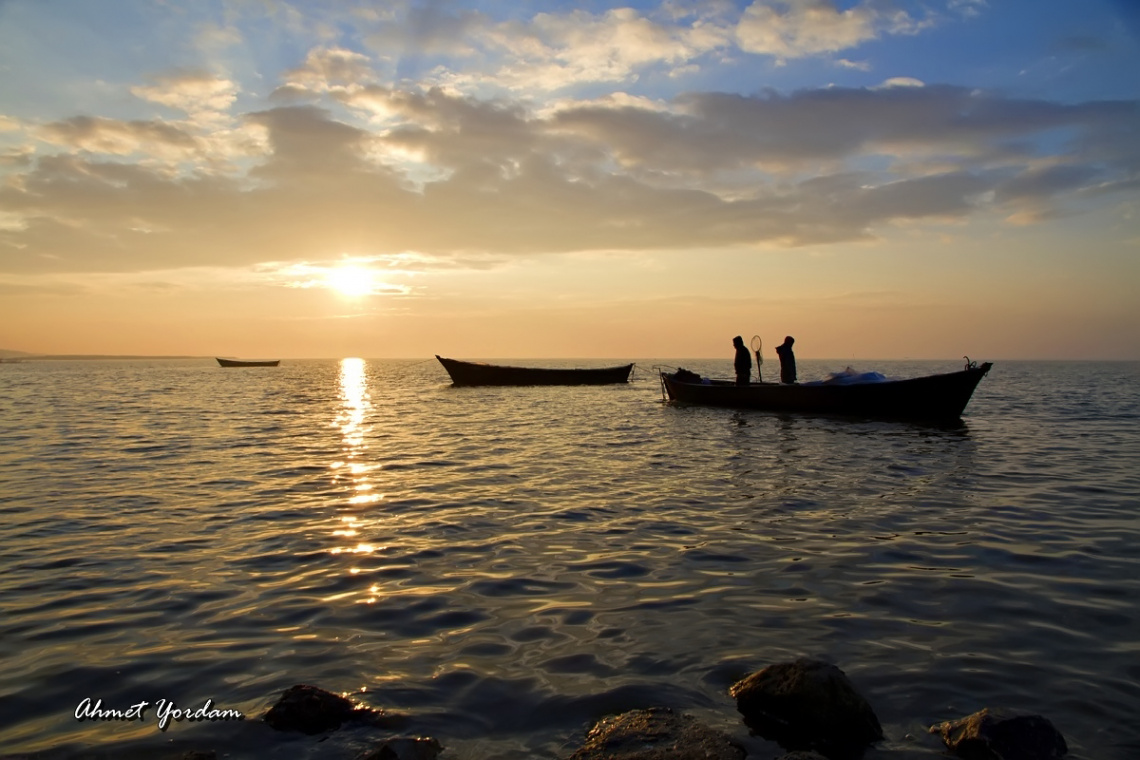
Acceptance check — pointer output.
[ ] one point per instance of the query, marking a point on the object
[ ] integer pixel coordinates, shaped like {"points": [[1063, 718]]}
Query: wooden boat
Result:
{"points": [[473, 373], [239, 363], [933, 398]]}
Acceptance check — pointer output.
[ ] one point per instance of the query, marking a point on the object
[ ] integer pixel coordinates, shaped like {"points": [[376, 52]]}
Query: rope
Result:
{"points": [[659, 369], [403, 368]]}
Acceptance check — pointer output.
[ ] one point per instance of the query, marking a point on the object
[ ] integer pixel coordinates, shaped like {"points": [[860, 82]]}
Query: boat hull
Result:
{"points": [[934, 398], [473, 373], [237, 363]]}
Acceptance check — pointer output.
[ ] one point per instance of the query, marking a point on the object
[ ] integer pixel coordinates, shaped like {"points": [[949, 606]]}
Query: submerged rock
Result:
{"points": [[312, 710], [656, 734], [405, 748], [807, 704], [1002, 735]]}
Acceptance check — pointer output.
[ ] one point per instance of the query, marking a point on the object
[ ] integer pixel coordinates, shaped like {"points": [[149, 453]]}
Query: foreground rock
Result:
{"points": [[405, 748], [807, 704], [656, 734], [1002, 735], [311, 710]]}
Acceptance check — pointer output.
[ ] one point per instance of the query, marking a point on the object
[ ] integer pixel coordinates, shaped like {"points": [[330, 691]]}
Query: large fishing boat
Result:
{"points": [[934, 398]]}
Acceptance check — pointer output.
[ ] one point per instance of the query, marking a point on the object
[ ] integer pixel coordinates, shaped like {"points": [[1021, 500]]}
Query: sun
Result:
{"points": [[350, 281]]}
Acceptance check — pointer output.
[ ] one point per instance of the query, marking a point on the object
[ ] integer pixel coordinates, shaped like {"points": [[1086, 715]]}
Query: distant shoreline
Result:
{"points": [[73, 357]]}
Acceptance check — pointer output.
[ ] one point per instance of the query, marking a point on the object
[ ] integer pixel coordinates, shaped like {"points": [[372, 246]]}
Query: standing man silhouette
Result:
{"points": [[787, 361], [743, 361]]}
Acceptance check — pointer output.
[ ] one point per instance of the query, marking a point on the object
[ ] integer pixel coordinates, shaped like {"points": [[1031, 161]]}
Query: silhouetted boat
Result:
{"points": [[239, 363], [933, 398], [473, 373]]}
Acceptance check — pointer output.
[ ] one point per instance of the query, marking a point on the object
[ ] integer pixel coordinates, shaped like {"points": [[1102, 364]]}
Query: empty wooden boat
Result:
{"points": [[475, 373]]}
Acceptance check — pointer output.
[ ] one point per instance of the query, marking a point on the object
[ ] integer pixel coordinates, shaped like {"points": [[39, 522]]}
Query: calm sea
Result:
{"points": [[505, 566]]}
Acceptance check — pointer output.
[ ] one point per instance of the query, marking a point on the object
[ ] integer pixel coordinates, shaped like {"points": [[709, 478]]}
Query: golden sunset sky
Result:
{"points": [[521, 179]]}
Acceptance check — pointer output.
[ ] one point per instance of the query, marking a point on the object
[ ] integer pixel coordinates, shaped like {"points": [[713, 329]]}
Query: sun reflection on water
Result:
{"points": [[356, 403], [352, 470]]}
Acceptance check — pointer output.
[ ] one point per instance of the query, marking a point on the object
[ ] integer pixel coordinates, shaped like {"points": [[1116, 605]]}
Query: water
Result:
{"points": [[505, 566]]}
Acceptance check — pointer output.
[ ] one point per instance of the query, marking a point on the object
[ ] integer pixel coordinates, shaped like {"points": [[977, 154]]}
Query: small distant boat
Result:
{"points": [[239, 363], [933, 398], [474, 373]]}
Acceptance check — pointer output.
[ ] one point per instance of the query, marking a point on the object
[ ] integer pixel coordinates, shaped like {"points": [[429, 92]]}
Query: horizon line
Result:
{"points": [[6, 356]]}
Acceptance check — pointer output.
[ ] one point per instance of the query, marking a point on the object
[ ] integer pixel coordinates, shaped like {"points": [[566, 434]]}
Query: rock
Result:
{"points": [[655, 734], [809, 755], [1002, 735], [405, 748], [807, 704], [311, 710]]}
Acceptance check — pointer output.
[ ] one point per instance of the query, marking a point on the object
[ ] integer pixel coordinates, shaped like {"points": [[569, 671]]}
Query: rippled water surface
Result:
{"points": [[505, 566]]}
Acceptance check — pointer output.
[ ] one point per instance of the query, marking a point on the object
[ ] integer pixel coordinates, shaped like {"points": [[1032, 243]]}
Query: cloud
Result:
{"points": [[328, 69], [17, 158], [121, 138], [498, 177], [902, 82], [471, 52], [967, 8], [553, 51], [798, 28], [610, 46], [190, 146], [453, 131], [306, 143], [1038, 184], [204, 97]]}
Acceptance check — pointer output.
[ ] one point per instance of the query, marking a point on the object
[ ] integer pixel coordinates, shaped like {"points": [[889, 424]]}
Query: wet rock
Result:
{"points": [[808, 755], [655, 734], [807, 704], [405, 748], [1002, 735], [311, 710]]}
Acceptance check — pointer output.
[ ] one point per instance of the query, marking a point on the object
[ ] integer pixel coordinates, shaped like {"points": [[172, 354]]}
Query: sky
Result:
{"points": [[881, 179]]}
